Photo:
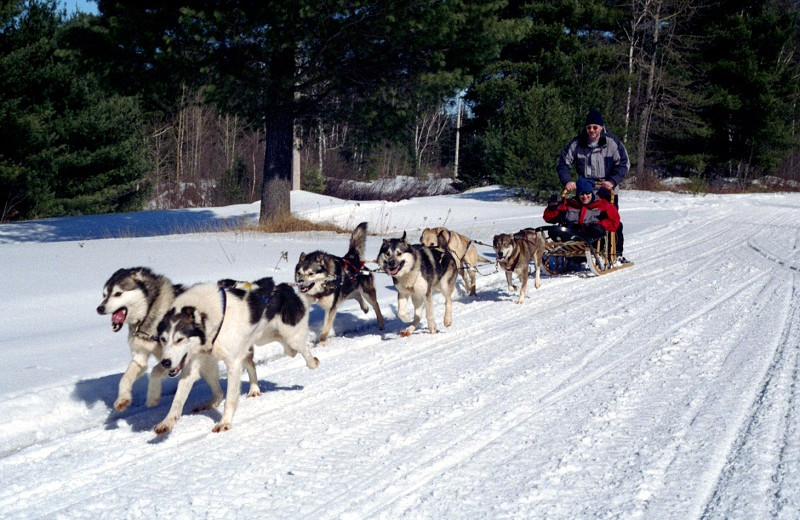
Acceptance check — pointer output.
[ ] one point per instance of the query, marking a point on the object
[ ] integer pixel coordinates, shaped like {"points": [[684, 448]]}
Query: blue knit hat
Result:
{"points": [[584, 185], [594, 118]]}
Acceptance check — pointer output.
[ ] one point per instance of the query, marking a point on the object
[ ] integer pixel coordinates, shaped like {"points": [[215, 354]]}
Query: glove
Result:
{"points": [[552, 203]]}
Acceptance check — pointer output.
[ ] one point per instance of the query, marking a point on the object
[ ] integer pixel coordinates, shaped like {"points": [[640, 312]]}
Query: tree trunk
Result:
{"points": [[279, 138], [277, 183], [649, 101]]}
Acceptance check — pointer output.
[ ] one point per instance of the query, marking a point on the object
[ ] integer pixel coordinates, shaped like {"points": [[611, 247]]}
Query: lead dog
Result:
{"points": [[462, 249], [210, 323], [515, 253], [417, 271], [328, 280], [139, 297]]}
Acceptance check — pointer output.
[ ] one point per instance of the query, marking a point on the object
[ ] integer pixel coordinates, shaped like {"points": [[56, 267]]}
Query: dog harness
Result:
{"points": [[224, 297]]}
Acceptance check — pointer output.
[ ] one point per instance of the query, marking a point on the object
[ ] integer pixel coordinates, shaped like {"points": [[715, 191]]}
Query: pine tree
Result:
{"points": [[67, 146]]}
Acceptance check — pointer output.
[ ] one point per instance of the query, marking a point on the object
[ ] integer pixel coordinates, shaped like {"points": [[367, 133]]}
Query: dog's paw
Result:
{"points": [[254, 393], [121, 403], [407, 331], [163, 427], [221, 426], [519, 300], [447, 322], [512, 288], [313, 364]]}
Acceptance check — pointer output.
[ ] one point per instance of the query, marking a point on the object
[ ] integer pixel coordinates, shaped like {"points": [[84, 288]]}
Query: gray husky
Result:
{"points": [[222, 322], [140, 298], [328, 280], [417, 271]]}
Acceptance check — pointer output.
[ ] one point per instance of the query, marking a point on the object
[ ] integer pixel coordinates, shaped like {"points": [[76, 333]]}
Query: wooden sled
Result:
{"points": [[566, 252]]}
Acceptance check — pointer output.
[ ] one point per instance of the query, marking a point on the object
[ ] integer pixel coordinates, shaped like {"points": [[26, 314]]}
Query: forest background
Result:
{"points": [[178, 103]]}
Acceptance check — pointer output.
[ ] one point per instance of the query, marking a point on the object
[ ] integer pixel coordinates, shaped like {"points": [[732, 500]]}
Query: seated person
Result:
{"points": [[585, 215]]}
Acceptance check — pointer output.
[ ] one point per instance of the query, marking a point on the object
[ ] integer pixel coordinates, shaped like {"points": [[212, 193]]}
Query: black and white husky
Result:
{"points": [[417, 271], [140, 298], [328, 280], [222, 322]]}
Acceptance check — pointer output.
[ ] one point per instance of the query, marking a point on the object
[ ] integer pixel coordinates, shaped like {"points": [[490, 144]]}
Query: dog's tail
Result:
{"points": [[358, 242]]}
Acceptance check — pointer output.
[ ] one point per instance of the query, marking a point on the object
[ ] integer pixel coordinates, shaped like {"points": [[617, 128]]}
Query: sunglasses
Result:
{"points": [[588, 193], [594, 127]]}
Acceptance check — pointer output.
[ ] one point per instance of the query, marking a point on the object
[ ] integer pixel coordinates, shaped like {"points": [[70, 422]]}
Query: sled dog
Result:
{"points": [[328, 280], [514, 254], [462, 249], [222, 322], [140, 298], [417, 271]]}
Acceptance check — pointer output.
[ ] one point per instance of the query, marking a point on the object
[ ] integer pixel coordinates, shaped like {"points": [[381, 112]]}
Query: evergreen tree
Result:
{"points": [[751, 77], [531, 102], [67, 147], [283, 60]]}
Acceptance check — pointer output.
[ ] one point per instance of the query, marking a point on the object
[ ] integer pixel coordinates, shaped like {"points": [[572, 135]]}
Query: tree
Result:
{"points": [[527, 105], [751, 70], [663, 103], [288, 61], [67, 146]]}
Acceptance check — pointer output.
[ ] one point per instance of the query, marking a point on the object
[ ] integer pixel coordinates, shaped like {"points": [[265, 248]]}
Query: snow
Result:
{"points": [[665, 391]]}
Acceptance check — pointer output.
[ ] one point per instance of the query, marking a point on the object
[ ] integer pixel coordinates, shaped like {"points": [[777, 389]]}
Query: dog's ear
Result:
{"points": [[162, 325], [302, 257], [441, 241], [197, 317], [404, 239], [200, 319]]}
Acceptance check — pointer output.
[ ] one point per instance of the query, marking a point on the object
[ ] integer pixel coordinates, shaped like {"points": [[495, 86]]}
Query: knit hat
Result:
{"points": [[594, 118], [584, 185]]}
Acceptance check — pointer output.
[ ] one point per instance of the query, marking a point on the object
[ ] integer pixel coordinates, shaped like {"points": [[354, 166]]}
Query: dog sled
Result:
{"points": [[566, 252]]}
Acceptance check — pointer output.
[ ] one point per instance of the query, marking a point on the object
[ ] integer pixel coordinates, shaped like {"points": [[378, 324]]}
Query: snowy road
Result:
{"points": [[664, 391]]}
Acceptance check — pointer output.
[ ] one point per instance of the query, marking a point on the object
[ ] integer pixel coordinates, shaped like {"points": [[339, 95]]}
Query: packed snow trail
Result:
{"points": [[664, 391]]}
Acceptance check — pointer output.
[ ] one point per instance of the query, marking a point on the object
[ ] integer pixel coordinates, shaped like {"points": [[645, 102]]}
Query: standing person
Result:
{"points": [[598, 156]]}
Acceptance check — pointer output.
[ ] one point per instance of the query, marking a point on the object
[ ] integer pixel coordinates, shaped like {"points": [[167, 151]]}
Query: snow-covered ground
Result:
{"points": [[665, 391]]}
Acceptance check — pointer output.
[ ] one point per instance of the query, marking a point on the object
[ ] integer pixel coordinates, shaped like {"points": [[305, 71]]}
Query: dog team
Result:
{"points": [[189, 330]]}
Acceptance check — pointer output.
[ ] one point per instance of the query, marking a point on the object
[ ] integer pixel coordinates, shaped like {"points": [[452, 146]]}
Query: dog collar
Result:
{"points": [[145, 335]]}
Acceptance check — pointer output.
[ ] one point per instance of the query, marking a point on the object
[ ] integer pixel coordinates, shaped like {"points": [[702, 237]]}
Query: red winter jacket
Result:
{"points": [[574, 214]]}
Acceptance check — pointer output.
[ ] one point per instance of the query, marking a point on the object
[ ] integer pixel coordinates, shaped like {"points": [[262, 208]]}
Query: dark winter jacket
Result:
{"points": [[608, 161], [579, 217]]}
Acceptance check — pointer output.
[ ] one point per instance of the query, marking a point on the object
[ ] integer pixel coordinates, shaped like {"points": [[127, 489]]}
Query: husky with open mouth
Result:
{"points": [[417, 271], [222, 322], [139, 298], [328, 280]]}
